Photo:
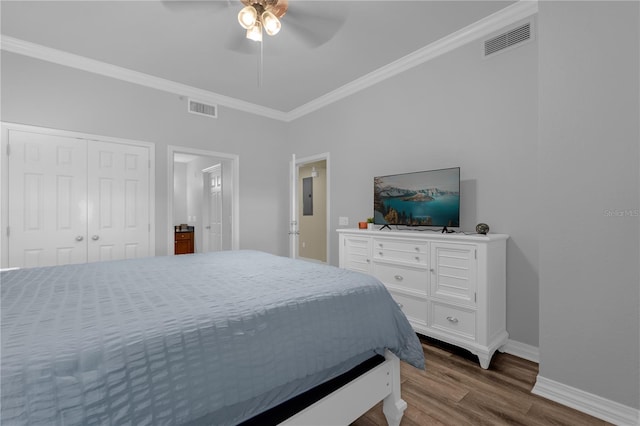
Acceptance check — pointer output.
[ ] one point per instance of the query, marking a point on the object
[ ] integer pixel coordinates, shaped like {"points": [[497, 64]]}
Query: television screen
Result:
{"points": [[429, 198]]}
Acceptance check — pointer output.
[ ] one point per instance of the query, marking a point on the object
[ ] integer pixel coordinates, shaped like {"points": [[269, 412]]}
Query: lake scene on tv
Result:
{"points": [[429, 198]]}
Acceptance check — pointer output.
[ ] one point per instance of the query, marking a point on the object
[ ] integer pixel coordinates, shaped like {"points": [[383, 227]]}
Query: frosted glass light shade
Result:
{"points": [[255, 33], [271, 23], [247, 17]]}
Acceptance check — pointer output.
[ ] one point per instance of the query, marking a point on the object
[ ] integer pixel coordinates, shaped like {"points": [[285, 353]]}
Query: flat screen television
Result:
{"points": [[428, 198]]}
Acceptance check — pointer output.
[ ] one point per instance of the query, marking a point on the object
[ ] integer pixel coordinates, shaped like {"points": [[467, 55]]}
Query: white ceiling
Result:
{"points": [[322, 46]]}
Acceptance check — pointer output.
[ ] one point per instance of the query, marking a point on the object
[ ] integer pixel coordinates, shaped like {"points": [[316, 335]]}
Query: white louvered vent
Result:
{"points": [[508, 39], [200, 108]]}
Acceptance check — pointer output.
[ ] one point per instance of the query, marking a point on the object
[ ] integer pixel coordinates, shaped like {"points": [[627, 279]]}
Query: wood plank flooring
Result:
{"points": [[454, 390]]}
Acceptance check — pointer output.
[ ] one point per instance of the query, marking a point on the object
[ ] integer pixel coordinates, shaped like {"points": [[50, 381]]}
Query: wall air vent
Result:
{"points": [[505, 40], [200, 108]]}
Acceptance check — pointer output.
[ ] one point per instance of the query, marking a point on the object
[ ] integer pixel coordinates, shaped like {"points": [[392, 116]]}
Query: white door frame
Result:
{"points": [[293, 194], [4, 173], [235, 192]]}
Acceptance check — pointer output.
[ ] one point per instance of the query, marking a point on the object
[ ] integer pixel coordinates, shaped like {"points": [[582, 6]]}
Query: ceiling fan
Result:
{"points": [[259, 15], [313, 23], [310, 22]]}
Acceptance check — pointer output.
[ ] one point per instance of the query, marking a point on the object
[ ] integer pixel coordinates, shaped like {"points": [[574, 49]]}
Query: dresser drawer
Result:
{"points": [[414, 308], [453, 319], [404, 277], [184, 235], [417, 247], [401, 256], [411, 252]]}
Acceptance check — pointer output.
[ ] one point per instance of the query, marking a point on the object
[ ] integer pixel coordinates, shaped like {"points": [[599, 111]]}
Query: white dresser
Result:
{"points": [[451, 287]]}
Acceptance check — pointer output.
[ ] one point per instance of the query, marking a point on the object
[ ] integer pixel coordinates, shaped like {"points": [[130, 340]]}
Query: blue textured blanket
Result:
{"points": [[169, 340]]}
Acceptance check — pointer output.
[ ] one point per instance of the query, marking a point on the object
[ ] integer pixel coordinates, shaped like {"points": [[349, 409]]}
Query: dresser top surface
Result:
{"points": [[434, 235]]}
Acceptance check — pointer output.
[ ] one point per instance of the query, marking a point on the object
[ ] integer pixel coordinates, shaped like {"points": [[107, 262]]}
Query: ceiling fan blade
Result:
{"points": [[278, 7], [197, 5], [313, 27]]}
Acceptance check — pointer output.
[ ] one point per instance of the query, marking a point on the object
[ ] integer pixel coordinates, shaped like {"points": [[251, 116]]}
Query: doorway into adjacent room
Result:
{"points": [[310, 208], [205, 197]]}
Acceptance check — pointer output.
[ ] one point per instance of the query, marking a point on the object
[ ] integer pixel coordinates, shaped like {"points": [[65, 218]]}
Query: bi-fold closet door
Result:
{"points": [[75, 200]]}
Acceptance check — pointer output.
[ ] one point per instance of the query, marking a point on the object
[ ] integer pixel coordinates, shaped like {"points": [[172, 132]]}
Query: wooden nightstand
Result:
{"points": [[184, 241]]}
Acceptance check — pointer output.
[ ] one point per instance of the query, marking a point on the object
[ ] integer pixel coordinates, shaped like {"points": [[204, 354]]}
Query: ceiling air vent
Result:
{"points": [[200, 108], [508, 39]]}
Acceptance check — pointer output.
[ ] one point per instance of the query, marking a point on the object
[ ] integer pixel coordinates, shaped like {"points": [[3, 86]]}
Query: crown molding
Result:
{"points": [[482, 28], [509, 15], [14, 45]]}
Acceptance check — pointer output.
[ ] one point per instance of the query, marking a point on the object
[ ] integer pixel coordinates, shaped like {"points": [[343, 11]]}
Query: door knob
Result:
{"points": [[95, 237], [79, 238]]}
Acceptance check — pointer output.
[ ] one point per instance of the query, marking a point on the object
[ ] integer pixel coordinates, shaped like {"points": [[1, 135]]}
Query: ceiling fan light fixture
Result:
{"points": [[271, 23], [248, 17], [255, 33]]}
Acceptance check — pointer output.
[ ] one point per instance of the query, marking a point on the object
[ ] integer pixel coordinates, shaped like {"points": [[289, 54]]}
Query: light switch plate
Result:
{"points": [[343, 221]]}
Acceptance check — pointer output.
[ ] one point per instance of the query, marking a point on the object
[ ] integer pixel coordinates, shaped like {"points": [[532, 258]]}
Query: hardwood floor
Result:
{"points": [[454, 390]]}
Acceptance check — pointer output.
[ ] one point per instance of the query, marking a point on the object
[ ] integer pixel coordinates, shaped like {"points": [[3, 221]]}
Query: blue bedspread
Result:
{"points": [[167, 340]]}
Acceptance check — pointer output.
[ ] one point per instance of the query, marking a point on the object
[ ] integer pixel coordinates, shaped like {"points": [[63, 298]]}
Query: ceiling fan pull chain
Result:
{"points": [[260, 67]]}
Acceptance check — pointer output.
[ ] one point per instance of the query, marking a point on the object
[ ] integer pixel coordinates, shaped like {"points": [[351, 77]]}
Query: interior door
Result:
{"points": [[118, 201], [47, 200], [214, 225]]}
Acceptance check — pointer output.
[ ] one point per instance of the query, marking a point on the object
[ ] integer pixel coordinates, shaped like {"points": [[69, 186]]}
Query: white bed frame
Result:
{"points": [[352, 400]]}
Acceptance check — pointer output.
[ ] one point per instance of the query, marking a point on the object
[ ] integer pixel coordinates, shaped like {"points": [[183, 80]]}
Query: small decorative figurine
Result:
{"points": [[482, 228]]}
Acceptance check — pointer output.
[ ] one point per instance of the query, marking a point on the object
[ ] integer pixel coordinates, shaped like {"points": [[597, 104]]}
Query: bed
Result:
{"points": [[216, 338]]}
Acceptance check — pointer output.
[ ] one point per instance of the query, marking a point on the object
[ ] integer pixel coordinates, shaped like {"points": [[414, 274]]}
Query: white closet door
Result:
{"points": [[47, 200], [214, 227], [118, 188]]}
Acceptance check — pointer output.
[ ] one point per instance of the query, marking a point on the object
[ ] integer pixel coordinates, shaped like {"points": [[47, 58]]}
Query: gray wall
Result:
{"points": [[457, 110], [44, 94], [588, 161], [180, 211]]}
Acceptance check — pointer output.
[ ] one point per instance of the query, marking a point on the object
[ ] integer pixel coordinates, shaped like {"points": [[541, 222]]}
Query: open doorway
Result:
{"points": [[192, 175], [311, 206]]}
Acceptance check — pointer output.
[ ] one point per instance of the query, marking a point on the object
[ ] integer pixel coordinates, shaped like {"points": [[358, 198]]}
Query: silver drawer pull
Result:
{"points": [[95, 237], [418, 249], [453, 319], [380, 253], [368, 260], [398, 277], [417, 258], [400, 305], [79, 238]]}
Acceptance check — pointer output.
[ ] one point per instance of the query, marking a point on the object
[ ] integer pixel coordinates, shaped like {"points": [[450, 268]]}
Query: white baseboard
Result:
{"points": [[522, 350], [602, 408]]}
